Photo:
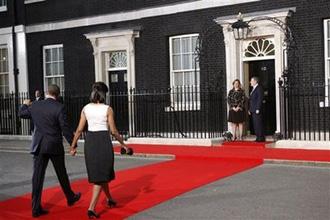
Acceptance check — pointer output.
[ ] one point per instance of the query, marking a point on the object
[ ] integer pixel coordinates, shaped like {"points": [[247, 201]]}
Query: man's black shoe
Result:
{"points": [[40, 212], [75, 198], [260, 140]]}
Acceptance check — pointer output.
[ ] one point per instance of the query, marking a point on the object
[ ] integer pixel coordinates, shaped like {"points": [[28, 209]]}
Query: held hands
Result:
{"points": [[27, 102], [73, 151], [236, 109]]}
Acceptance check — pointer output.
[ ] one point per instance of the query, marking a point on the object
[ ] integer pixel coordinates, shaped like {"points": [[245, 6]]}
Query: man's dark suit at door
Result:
{"points": [[255, 109], [47, 143]]}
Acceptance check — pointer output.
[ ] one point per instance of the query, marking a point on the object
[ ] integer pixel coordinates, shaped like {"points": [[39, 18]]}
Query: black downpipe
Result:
{"points": [[15, 68]]}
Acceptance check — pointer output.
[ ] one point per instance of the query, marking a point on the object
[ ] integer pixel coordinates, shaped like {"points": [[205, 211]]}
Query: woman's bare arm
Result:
{"points": [[113, 128], [79, 130]]}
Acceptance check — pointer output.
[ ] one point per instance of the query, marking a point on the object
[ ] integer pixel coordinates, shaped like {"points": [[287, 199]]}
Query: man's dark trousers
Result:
{"points": [[40, 162], [258, 126]]}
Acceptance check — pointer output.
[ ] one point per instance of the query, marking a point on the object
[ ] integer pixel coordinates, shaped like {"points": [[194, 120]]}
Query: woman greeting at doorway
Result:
{"points": [[236, 98]]}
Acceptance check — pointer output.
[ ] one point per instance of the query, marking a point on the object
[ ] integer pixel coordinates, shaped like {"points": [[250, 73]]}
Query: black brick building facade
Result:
{"points": [[151, 47]]}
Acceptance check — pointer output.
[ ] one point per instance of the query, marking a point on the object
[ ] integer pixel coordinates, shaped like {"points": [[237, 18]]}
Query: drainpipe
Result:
{"points": [[15, 69]]}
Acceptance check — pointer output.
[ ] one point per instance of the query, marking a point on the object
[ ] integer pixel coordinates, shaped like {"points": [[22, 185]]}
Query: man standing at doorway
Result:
{"points": [[255, 107]]}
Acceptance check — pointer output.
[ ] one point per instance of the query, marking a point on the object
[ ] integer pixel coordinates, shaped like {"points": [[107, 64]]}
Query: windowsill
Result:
{"points": [[325, 103], [3, 8], [33, 1], [182, 108]]}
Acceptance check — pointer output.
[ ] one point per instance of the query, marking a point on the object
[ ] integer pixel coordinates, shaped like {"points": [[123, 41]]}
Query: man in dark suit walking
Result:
{"points": [[255, 108], [47, 144]]}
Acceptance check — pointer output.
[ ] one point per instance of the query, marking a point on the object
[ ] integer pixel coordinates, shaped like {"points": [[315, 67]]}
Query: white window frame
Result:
{"points": [[33, 1], [4, 6], [179, 106], [44, 48], [326, 63], [5, 73]]}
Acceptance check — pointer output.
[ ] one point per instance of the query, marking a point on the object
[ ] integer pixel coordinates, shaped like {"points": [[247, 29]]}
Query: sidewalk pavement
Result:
{"points": [[24, 146]]}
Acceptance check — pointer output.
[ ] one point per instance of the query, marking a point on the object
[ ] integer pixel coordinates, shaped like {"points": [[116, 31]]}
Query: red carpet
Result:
{"points": [[134, 189], [144, 187]]}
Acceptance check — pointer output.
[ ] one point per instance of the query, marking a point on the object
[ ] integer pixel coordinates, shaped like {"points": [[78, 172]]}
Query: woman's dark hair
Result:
{"points": [[237, 80], [98, 94]]}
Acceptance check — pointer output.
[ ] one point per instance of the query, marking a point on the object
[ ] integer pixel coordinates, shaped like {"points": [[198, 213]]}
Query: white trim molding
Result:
{"points": [[7, 39], [117, 40], [234, 49], [326, 29], [134, 15], [33, 1]]}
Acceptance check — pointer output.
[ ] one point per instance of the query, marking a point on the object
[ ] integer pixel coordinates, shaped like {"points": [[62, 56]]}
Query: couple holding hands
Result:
{"points": [[50, 125]]}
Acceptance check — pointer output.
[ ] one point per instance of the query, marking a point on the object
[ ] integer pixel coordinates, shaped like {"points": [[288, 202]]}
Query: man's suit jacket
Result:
{"points": [[255, 101], [50, 125]]}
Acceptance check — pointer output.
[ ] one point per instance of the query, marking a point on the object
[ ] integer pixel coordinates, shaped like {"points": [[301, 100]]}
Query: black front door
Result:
{"points": [[119, 99], [265, 71]]}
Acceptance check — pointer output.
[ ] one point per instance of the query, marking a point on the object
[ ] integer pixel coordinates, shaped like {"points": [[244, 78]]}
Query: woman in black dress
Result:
{"points": [[99, 155], [236, 98]]}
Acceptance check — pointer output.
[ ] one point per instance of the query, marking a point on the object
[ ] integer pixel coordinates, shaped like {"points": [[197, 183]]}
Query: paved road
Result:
{"points": [[16, 171], [270, 191], [266, 192]]}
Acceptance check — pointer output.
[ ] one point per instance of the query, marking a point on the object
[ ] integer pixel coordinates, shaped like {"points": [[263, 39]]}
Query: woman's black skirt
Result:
{"points": [[236, 117], [99, 157]]}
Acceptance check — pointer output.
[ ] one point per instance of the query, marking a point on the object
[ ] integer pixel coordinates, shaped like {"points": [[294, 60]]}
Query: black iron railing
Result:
{"points": [[180, 112], [306, 111]]}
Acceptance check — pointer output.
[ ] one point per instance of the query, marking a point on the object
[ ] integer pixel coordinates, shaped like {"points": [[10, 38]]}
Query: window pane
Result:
{"points": [[60, 53], [329, 29], [54, 54], [328, 68], [60, 83], [2, 80], [61, 68], [6, 80], [48, 69], [194, 43], [188, 78], [48, 55], [176, 45], [186, 45], [176, 62], [178, 79], [49, 81], [328, 48], [186, 61]]}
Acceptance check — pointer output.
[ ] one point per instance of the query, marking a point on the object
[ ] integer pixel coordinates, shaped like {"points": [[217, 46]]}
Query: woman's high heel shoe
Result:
{"points": [[91, 214], [111, 203]]}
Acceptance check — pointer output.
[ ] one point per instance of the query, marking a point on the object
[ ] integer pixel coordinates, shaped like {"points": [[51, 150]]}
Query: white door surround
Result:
{"points": [[260, 29], [6, 40], [105, 42]]}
